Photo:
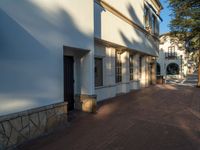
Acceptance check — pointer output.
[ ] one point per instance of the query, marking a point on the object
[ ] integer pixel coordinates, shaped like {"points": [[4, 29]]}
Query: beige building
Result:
{"points": [[173, 58], [126, 42], [57, 56]]}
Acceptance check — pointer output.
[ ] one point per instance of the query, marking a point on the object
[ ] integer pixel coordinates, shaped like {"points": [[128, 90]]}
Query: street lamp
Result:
{"points": [[181, 65]]}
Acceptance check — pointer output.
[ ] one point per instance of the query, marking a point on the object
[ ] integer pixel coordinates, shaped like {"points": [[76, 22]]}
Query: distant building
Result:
{"points": [[193, 62], [173, 58], [56, 56]]}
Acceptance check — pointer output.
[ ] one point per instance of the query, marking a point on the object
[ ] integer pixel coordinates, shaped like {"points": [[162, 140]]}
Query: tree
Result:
{"points": [[185, 24]]}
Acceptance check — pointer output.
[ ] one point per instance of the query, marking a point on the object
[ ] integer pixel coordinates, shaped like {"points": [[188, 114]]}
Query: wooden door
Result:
{"points": [[69, 81]]}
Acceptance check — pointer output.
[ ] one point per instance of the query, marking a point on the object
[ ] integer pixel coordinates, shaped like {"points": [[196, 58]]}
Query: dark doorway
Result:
{"points": [[69, 81], [173, 69], [158, 69]]}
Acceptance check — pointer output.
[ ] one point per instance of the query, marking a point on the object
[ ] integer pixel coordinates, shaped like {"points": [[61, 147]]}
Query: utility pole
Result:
{"points": [[181, 66]]}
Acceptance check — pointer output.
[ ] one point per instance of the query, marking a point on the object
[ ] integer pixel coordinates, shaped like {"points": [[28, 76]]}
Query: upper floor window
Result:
{"points": [[157, 28], [153, 24], [118, 67], [171, 54], [146, 17], [171, 50]]}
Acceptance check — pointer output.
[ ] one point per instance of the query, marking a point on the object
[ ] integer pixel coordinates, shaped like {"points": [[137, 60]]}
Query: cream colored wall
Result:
{"points": [[113, 29], [167, 44], [33, 33], [110, 88], [130, 8], [54, 23]]}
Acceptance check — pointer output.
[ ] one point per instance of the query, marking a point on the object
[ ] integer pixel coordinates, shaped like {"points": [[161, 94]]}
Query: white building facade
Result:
{"points": [[172, 60], [76, 52], [124, 46]]}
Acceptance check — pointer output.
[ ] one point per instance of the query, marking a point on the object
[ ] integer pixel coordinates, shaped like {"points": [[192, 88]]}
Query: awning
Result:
{"points": [[153, 11]]}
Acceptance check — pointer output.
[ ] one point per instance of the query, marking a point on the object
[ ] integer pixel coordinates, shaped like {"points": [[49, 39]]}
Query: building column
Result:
{"points": [[87, 74], [109, 66], [143, 72], [154, 67], [136, 73], [148, 71], [86, 100], [125, 71], [125, 67]]}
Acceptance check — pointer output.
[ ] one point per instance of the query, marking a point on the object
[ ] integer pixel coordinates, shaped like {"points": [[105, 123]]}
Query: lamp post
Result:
{"points": [[181, 66]]}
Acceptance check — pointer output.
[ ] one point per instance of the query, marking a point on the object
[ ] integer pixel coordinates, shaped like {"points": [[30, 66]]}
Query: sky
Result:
{"points": [[165, 15]]}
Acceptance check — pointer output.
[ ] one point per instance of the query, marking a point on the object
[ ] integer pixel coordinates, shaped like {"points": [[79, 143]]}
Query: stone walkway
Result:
{"points": [[161, 117], [191, 80]]}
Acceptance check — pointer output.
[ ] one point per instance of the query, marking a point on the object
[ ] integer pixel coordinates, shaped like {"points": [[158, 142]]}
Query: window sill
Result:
{"points": [[116, 84]]}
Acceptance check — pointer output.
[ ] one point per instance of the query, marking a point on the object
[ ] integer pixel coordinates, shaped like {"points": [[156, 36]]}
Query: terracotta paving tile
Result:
{"points": [[161, 117]]}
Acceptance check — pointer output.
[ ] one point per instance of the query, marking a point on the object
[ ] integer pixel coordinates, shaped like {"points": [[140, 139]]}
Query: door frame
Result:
{"points": [[70, 107]]}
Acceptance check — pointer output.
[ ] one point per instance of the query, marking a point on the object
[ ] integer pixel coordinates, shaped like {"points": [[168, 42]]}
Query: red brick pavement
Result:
{"points": [[161, 117]]}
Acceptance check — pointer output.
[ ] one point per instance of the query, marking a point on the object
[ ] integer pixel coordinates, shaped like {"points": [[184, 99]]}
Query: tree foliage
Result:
{"points": [[185, 23]]}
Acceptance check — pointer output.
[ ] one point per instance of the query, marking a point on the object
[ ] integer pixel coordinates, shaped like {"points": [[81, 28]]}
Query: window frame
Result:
{"points": [[154, 24], [118, 67], [171, 50], [131, 66], [99, 83], [146, 16], [171, 53]]}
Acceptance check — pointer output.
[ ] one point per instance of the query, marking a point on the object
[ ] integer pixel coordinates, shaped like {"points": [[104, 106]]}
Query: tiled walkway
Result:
{"points": [[161, 117]]}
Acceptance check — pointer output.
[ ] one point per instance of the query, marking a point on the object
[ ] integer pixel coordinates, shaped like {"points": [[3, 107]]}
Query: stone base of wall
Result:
{"points": [[86, 103], [23, 126]]}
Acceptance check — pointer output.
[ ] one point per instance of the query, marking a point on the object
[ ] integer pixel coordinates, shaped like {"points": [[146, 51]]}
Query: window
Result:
{"points": [[153, 24], [131, 66], [146, 17], [98, 72], [171, 50], [118, 67], [171, 54], [157, 30]]}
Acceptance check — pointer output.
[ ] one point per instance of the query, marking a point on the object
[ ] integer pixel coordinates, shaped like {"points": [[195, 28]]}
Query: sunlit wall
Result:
{"points": [[32, 36]]}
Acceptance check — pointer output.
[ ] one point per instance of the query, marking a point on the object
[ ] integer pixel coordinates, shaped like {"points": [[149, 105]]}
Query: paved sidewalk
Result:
{"points": [[161, 117], [191, 80]]}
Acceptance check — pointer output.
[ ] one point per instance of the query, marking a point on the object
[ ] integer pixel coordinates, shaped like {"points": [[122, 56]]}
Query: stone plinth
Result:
{"points": [[23, 126], [86, 103]]}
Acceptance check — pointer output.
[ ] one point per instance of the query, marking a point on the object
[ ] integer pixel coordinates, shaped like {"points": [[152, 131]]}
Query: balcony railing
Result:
{"points": [[171, 55]]}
